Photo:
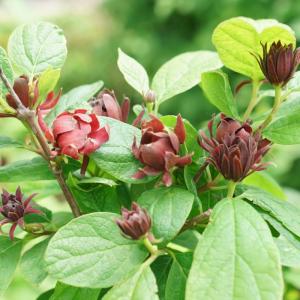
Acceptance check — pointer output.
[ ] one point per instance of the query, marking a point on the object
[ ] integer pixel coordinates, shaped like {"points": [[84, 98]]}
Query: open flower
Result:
{"points": [[279, 63], [159, 149], [106, 104], [135, 223], [14, 208], [235, 151], [75, 133]]}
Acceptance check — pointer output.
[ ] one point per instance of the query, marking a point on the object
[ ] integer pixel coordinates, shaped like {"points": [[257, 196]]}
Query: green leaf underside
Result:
{"points": [[33, 264], [133, 72], [26, 170], [182, 72], [66, 292], [236, 258], [142, 285], [75, 99], [115, 157], [33, 48], [7, 142], [237, 39], [7, 70], [10, 252], [91, 252], [217, 89], [47, 82], [283, 211], [168, 208]]}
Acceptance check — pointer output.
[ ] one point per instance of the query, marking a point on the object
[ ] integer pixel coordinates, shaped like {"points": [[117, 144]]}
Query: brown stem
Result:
{"points": [[199, 219], [28, 116]]}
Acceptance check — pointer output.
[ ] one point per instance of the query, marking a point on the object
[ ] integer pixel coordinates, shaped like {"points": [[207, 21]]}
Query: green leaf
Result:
{"points": [[237, 39], [236, 258], [266, 182], [46, 295], [182, 72], [7, 142], [7, 70], [67, 292], [168, 208], [75, 99], [284, 130], [26, 170], [175, 288], [191, 136], [115, 157], [133, 72], [36, 47], [33, 264], [93, 245], [10, 252], [283, 211], [216, 87], [47, 82], [142, 285]]}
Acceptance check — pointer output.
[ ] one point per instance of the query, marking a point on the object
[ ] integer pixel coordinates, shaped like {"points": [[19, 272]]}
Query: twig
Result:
{"points": [[199, 219]]}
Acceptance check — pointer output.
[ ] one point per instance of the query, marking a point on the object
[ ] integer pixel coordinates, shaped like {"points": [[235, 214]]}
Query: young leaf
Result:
{"points": [[175, 288], [26, 170], [133, 72], [10, 252], [35, 47], [7, 142], [7, 70], [236, 258], [33, 264], [168, 208], [237, 39], [74, 99], [142, 285], [182, 72], [66, 292], [216, 87], [47, 82], [91, 252], [115, 157]]}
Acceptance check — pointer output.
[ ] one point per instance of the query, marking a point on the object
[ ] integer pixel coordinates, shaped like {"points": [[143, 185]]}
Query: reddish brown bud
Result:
{"points": [[235, 151], [150, 96], [279, 63], [136, 223]]}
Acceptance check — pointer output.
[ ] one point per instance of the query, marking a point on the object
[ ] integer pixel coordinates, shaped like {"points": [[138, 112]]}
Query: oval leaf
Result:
{"points": [[7, 70]]}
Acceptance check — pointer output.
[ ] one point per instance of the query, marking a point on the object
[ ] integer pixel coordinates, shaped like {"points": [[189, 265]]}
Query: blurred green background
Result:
{"points": [[152, 31]]}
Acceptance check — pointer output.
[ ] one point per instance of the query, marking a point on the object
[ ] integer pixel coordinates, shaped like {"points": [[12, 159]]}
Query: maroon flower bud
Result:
{"points": [[27, 96], [159, 149], [150, 97], [75, 133], [279, 63], [236, 151], [14, 209], [136, 223], [106, 104]]}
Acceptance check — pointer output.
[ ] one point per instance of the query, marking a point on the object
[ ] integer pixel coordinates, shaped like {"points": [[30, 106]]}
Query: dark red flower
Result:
{"points": [[75, 133], [106, 104], [136, 223], [235, 151], [279, 63], [14, 208], [159, 149]]}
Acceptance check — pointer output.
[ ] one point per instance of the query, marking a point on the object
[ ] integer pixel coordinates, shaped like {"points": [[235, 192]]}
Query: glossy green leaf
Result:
{"points": [[66, 292], [237, 39], [7, 70], [33, 264], [168, 208], [10, 252], [182, 72], [133, 72], [36, 47], [26, 170], [236, 258], [47, 82], [216, 87], [142, 285], [75, 99], [115, 157], [283, 211], [91, 252]]}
